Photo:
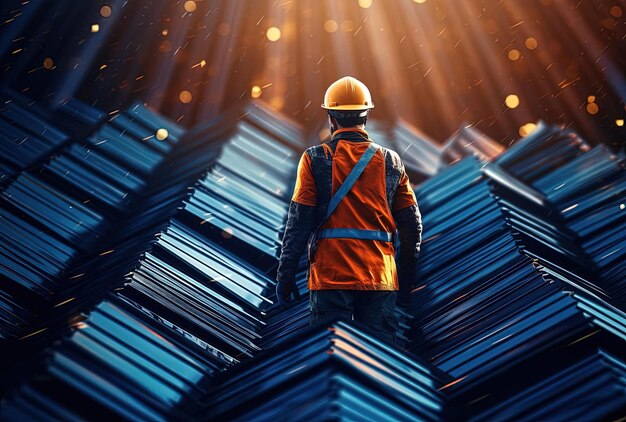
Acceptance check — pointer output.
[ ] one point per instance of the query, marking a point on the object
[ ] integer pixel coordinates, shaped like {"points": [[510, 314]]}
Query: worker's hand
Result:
{"points": [[284, 292]]}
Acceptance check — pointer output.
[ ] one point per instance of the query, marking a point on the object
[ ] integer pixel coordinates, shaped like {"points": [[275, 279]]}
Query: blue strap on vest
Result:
{"points": [[355, 234], [341, 193]]}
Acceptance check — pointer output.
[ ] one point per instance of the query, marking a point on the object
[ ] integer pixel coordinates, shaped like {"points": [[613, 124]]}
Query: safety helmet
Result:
{"points": [[347, 94]]}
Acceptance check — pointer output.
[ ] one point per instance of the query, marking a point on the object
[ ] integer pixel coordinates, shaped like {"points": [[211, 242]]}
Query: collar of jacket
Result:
{"points": [[350, 134]]}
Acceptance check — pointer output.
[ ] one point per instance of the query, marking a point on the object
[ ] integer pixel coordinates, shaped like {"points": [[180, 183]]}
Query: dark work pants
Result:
{"points": [[374, 308]]}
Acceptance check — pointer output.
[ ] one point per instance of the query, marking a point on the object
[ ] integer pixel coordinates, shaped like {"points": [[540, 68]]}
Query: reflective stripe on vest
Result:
{"points": [[355, 234]]}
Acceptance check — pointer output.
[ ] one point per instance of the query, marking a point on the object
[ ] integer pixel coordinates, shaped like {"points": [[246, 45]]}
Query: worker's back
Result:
{"points": [[345, 262]]}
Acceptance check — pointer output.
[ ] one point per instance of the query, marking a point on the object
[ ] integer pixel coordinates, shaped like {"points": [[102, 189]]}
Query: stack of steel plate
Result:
{"points": [[589, 195], [469, 141], [210, 270], [419, 153], [73, 226], [27, 140], [117, 363], [545, 149], [576, 229], [54, 212], [176, 293], [194, 286], [330, 373], [482, 311], [591, 389]]}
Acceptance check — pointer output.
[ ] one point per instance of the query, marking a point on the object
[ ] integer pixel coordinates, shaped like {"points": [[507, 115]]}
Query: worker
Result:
{"points": [[353, 206]]}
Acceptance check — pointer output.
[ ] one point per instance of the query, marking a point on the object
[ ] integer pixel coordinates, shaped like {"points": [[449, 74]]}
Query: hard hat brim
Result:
{"points": [[353, 107]]}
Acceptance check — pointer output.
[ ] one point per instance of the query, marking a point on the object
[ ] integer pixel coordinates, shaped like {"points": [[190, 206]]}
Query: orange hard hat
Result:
{"points": [[347, 93]]}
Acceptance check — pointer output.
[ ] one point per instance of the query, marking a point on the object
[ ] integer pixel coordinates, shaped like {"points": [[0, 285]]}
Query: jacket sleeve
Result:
{"points": [[300, 225], [300, 221], [406, 214], [409, 225]]}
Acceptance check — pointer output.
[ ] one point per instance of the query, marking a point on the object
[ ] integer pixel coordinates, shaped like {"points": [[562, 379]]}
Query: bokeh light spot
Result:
{"points": [[512, 101], [365, 4], [190, 6], [619, 122], [530, 43], [527, 129], [162, 134], [514, 54], [592, 108], [347, 25], [185, 97], [48, 63], [330, 26], [105, 11], [95, 27], [615, 11], [256, 91], [273, 34]]}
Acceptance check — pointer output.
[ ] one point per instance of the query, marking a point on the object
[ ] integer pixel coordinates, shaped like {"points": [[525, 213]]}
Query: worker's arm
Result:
{"points": [[300, 225], [408, 220]]}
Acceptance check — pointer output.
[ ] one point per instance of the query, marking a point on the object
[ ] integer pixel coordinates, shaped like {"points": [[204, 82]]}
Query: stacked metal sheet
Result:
{"points": [[205, 283], [209, 270], [469, 141], [26, 139], [485, 313], [420, 154], [64, 208], [195, 332], [330, 373], [575, 228], [116, 364], [564, 395]]}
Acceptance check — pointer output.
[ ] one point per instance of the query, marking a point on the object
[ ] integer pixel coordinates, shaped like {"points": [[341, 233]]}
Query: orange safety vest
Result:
{"points": [[353, 248]]}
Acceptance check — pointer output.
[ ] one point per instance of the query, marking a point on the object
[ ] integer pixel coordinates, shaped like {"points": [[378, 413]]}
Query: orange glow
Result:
{"points": [[514, 54], [453, 382], [48, 63], [190, 6], [223, 29], [527, 129], [185, 97], [347, 25], [277, 102], [592, 108], [330, 26], [530, 43], [105, 11], [615, 11]]}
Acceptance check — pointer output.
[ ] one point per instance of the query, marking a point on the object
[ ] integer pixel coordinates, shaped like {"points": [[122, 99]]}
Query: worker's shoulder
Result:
{"points": [[314, 151], [392, 158]]}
